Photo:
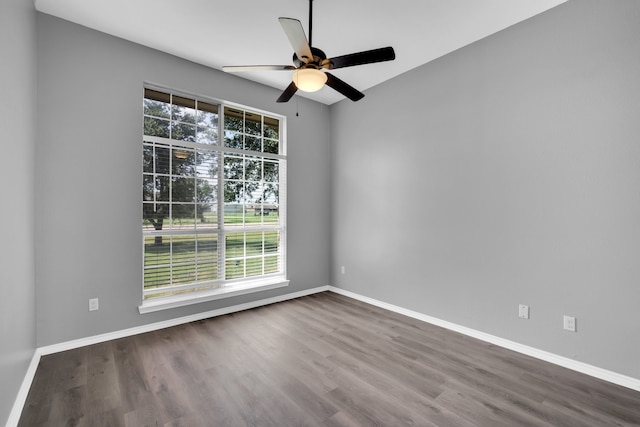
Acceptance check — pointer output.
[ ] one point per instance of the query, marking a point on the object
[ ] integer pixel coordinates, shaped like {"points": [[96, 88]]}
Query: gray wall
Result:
{"points": [[89, 169], [506, 172], [17, 141]]}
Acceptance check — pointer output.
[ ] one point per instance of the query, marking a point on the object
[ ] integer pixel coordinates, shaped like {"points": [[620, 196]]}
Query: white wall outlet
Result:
{"points": [[523, 311], [94, 304], [570, 323], [343, 270]]}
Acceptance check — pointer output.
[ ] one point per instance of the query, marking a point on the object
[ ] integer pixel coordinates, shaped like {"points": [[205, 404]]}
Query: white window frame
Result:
{"points": [[222, 287]]}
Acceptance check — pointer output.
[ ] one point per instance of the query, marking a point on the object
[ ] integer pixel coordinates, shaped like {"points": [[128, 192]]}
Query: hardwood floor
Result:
{"points": [[321, 360]]}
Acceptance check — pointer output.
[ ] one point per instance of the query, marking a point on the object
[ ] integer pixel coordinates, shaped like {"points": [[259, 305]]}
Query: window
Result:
{"points": [[213, 198]]}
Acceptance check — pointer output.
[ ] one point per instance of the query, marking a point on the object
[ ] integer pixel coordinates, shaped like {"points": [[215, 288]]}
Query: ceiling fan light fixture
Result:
{"points": [[309, 79]]}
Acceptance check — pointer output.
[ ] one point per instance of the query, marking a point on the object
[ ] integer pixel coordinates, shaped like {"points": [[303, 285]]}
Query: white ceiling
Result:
{"points": [[247, 32]]}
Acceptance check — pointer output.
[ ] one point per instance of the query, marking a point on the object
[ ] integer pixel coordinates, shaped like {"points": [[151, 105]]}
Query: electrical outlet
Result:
{"points": [[523, 311], [94, 304], [570, 323], [342, 270]]}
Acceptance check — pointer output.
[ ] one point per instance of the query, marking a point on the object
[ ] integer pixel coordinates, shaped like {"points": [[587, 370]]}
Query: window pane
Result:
{"points": [[207, 114], [271, 242], [183, 161], [270, 215], [206, 195], [207, 136], [252, 143], [271, 210], [258, 212], [254, 243], [207, 217], [270, 146], [207, 256], [156, 103], [156, 109], [183, 190], [253, 169], [234, 245], [232, 139], [154, 215], [147, 158], [271, 171], [234, 269], [207, 164], [253, 267], [233, 167], [162, 160], [156, 127], [184, 110], [206, 190], [234, 192], [253, 194], [271, 264], [233, 119], [156, 262], [148, 188], [270, 194], [252, 123], [183, 215], [253, 210], [233, 213], [183, 273], [183, 251], [271, 128], [162, 188], [157, 95], [183, 132]]}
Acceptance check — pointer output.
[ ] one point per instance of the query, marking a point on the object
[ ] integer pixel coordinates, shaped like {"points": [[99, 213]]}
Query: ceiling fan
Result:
{"points": [[310, 62]]}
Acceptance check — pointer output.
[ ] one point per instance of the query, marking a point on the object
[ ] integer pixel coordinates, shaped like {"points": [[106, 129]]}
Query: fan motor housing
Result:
{"points": [[315, 62]]}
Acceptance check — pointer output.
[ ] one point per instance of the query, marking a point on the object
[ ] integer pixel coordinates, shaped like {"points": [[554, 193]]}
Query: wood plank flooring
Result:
{"points": [[321, 360]]}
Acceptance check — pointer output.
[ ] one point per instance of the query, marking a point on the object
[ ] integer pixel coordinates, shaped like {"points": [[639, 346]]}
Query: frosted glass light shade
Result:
{"points": [[309, 79]]}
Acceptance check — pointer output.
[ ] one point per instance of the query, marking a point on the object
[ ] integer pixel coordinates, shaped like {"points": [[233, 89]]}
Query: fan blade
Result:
{"points": [[344, 88], [241, 68], [360, 58], [295, 33], [288, 92]]}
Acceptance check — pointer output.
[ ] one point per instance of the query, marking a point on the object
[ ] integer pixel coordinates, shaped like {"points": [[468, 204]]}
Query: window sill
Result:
{"points": [[157, 304]]}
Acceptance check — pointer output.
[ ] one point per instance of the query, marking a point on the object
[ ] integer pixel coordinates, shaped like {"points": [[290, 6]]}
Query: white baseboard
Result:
{"points": [[23, 392], [594, 371]]}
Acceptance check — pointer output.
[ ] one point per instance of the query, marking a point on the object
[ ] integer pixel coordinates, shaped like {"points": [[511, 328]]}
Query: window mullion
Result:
{"points": [[220, 202]]}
